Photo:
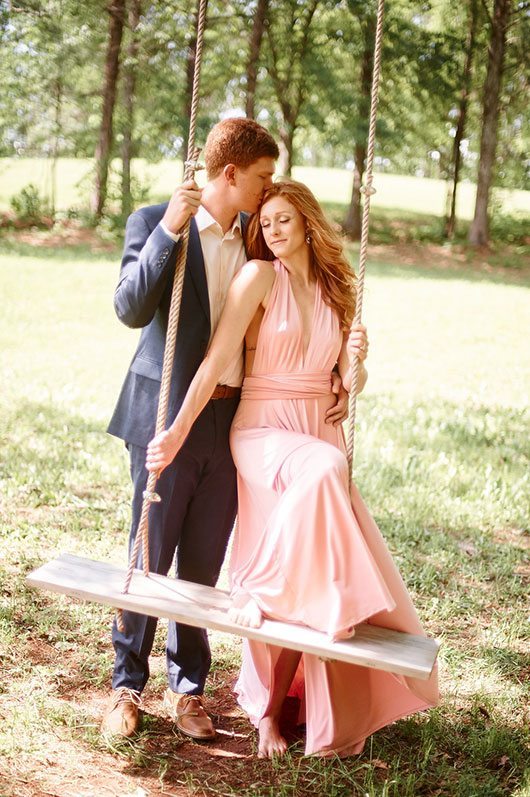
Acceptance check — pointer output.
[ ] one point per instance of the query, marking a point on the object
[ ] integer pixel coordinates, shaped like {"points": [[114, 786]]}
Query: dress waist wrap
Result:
{"points": [[287, 386]]}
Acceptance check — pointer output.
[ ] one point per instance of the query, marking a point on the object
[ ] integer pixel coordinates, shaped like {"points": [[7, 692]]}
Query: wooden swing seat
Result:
{"points": [[206, 607]]}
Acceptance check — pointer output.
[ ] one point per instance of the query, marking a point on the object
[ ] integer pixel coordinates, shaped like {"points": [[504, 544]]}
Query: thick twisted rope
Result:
{"points": [[191, 165], [367, 190]]}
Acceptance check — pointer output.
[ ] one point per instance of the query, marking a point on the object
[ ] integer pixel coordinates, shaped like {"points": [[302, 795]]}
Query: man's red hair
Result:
{"points": [[239, 141]]}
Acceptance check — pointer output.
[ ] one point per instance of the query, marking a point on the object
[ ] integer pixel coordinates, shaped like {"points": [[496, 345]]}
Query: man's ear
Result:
{"points": [[229, 172]]}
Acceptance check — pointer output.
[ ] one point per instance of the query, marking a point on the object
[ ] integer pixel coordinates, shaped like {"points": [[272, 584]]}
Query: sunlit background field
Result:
{"points": [[419, 195]]}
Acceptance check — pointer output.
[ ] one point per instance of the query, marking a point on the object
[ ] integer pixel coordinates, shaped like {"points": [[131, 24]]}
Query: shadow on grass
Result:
{"points": [[403, 271], [63, 479], [510, 664], [43, 443], [505, 262], [59, 479], [397, 225], [465, 754], [13, 247], [375, 268]]}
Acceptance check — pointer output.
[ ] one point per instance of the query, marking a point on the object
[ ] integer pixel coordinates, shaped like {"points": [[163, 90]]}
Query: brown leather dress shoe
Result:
{"points": [[122, 716], [190, 717]]}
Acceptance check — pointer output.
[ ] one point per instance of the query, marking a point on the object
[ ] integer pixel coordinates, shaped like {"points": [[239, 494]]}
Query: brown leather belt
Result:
{"points": [[225, 392]]}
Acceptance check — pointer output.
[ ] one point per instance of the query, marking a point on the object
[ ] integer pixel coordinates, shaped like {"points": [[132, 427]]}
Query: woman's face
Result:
{"points": [[283, 227]]}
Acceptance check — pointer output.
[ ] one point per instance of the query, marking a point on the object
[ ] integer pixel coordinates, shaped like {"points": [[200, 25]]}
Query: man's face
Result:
{"points": [[250, 183]]}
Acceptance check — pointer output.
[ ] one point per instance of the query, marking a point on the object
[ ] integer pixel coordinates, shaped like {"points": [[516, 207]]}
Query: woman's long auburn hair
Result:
{"points": [[330, 266]]}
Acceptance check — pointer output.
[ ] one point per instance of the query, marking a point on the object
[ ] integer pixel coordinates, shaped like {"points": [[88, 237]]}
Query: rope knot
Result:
{"points": [[151, 496], [368, 190], [193, 164]]}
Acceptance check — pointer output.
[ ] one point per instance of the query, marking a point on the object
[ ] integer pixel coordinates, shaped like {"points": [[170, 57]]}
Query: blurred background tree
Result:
{"points": [[111, 80]]}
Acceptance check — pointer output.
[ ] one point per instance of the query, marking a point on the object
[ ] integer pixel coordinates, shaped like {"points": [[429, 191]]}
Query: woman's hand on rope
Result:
{"points": [[163, 449], [357, 345], [183, 204]]}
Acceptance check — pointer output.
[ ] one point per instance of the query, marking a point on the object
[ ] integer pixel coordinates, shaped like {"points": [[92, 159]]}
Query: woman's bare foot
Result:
{"points": [[271, 742], [245, 611]]}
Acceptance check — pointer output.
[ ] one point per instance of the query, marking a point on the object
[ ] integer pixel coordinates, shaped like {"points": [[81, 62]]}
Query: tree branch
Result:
{"points": [[488, 13]]}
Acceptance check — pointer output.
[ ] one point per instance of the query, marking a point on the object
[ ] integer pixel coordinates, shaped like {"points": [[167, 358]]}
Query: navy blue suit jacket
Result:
{"points": [[142, 299]]}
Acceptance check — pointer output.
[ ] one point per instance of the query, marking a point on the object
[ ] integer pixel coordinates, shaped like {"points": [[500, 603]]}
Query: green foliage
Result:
{"points": [[512, 228], [49, 71], [52, 59], [112, 225], [30, 207]]}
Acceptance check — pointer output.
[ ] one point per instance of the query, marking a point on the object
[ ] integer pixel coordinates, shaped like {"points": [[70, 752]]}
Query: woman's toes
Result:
{"points": [[245, 612]]}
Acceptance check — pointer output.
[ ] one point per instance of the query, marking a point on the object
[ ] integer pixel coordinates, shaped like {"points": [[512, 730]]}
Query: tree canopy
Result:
{"points": [[301, 67]]}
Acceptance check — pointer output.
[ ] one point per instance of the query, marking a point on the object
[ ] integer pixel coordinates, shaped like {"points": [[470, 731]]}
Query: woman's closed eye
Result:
{"points": [[265, 224]]}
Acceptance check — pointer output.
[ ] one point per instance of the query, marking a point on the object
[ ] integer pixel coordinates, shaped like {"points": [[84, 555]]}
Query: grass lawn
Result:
{"points": [[398, 192], [442, 460]]}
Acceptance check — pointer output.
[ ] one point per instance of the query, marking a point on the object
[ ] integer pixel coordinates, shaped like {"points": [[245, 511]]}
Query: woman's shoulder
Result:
{"points": [[259, 270], [260, 265], [254, 280]]}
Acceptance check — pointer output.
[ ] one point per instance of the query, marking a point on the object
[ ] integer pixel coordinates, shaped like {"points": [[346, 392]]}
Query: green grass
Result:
{"points": [[398, 192], [451, 336], [442, 460]]}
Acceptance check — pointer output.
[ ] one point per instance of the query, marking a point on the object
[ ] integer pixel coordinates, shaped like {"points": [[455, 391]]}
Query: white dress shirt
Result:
{"points": [[223, 257]]}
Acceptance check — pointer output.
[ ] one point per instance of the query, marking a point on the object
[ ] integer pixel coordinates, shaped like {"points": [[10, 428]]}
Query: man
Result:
{"points": [[198, 490]]}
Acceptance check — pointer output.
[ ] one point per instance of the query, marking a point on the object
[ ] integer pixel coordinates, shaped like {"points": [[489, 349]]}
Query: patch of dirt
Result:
{"points": [[453, 257], [517, 537], [41, 652], [159, 762], [60, 237], [73, 760]]}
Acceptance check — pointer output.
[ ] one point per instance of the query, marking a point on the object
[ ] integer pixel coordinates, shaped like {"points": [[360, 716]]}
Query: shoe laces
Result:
{"points": [[195, 701], [125, 695]]}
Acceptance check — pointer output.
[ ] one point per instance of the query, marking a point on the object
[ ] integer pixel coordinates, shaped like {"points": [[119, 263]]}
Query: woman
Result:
{"points": [[306, 550]]}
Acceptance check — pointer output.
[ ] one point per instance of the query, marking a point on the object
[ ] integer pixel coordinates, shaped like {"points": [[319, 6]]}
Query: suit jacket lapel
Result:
{"points": [[197, 270]]}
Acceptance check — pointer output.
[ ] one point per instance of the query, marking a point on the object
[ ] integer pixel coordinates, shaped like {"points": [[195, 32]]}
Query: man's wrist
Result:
{"points": [[175, 236]]}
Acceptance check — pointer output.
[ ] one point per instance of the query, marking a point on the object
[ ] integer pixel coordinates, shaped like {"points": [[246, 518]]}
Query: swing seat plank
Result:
{"points": [[206, 607]]}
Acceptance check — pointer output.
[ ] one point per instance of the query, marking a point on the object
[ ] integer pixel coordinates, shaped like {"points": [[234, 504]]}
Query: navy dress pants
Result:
{"points": [[193, 521]]}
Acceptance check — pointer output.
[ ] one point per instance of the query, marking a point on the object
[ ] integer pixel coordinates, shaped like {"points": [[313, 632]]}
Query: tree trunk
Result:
{"points": [[450, 223], [352, 222], [129, 86], [291, 86], [285, 161], [55, 150], [258, 28], [116, 11], [479, 230]]}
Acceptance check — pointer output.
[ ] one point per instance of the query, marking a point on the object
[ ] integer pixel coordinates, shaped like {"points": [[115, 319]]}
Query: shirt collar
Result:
{"points": [[205, 220]]}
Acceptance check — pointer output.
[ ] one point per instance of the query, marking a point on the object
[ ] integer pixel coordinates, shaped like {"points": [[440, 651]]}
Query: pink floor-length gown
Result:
{"points": [[307, 549]]}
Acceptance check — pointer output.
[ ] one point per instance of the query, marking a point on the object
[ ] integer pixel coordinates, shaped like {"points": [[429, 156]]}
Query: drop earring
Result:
{"points": [[308, 237]]}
